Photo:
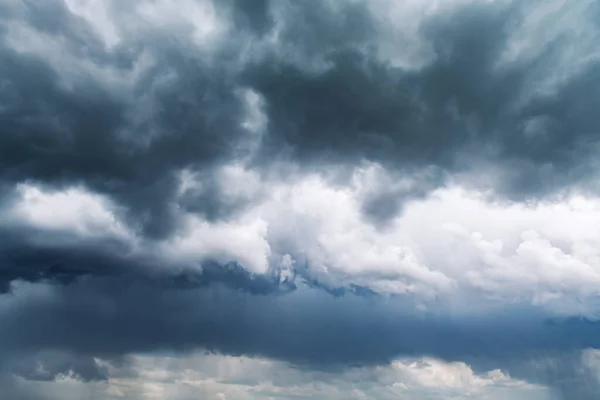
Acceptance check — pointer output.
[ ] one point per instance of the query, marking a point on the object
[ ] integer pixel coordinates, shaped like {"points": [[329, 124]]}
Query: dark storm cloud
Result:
{"points": [[109, 317], [454, 112], [23, 259], [569, 376], [89, 135], [329, 98], [384, 200], [255, 14]]}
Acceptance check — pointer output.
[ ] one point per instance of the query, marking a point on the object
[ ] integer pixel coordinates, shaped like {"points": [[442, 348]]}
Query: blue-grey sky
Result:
{"points": [[270, 199]]}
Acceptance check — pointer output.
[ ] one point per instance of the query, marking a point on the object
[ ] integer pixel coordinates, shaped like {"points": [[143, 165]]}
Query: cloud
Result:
{"points": [[453, 242], [114, 121], [330, 185], [239, 377], [111, 316], [470, 100], [218, 377], [455, 259], [123, 109]]}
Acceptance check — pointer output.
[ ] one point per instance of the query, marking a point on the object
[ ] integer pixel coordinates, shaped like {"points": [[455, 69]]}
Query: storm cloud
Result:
{"points": [[330, 185]]}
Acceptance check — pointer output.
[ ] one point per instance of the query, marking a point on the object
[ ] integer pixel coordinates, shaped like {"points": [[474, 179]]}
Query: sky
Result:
{"points": [[320, 199]]}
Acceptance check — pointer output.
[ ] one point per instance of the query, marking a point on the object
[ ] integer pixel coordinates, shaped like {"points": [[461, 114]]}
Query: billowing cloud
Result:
{"points": [[226, 377], [331, 190]]}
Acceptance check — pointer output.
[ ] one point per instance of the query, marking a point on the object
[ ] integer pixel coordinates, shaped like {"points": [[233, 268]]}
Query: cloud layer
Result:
{"points": [[336, 190]]}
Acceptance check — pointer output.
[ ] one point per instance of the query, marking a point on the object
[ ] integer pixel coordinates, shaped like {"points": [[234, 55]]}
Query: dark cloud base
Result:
{"points": [[111, 316], [65, 307]]}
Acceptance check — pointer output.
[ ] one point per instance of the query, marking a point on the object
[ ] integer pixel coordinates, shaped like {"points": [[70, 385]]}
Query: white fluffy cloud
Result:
{"points": [[73, 210], [449, 243]]}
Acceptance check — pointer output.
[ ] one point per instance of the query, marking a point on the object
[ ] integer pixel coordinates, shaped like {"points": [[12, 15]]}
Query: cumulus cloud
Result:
{"points": [[337, 185], [243, 377]]}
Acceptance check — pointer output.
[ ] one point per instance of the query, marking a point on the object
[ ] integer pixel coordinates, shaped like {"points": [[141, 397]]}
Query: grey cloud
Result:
{"points": [[208, 198], [87, 136], [329, 99], [460, 110], [316, 29], [256, 14], [568, 374], [24, 259], [112, 316], [386, 198], [57, 363]]}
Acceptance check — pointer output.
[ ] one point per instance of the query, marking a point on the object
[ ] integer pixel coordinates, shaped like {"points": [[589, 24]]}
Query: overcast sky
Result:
{"points": [[312, 199]]}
